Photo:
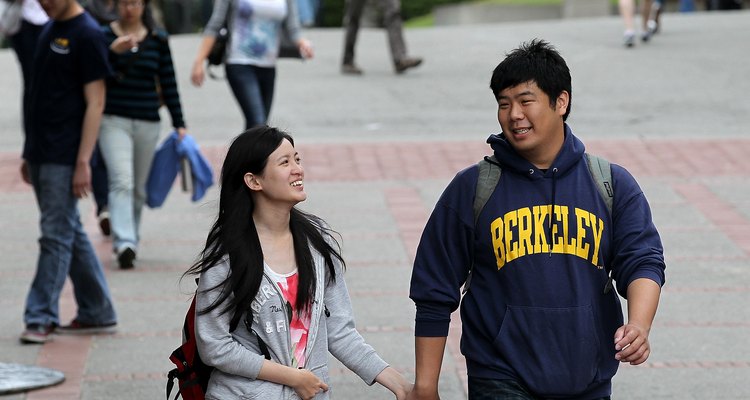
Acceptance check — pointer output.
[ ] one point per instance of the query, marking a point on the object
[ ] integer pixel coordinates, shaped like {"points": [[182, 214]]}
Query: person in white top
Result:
{"points": [[255, 31]]}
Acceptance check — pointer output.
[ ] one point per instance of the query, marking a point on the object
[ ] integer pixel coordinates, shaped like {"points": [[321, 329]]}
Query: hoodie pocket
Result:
{"points": [[555, 351], [263, 390]]}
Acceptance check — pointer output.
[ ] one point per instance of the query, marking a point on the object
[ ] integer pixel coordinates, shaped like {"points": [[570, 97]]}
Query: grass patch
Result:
{"points": [[425, 21], [428, 20]]}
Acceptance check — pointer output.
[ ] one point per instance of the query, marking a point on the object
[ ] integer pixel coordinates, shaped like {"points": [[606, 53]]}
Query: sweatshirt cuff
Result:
{"points": [[431, 328]]}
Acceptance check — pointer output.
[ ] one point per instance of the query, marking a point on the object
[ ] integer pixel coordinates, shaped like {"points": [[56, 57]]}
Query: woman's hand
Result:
{"points": [[198, 75], [395, 382], [307, 385], [305, 48], [181, 132], [123, 43]]}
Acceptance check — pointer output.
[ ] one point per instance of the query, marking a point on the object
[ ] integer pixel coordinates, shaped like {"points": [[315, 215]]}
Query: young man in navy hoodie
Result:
{"points": [[541, 318], [62, 116]]}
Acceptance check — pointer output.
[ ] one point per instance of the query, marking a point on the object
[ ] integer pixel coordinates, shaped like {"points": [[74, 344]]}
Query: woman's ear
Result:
{"points": [[251, 181]]}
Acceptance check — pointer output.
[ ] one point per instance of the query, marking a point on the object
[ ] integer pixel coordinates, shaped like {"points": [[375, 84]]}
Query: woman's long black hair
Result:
{"points": [[234, 233]]}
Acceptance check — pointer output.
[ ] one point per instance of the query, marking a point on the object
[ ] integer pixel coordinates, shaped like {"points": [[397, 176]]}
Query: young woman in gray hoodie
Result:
{"points": [[272, 301]]}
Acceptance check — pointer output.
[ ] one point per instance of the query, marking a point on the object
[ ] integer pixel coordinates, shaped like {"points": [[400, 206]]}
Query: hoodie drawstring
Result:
{"points": [[552, 211]]}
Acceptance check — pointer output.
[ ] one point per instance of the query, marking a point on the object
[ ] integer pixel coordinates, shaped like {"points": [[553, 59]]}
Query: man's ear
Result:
{"points": [[562, 102], [251, 181]]}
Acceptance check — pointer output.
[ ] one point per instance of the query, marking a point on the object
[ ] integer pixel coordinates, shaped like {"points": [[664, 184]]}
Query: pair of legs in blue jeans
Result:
{"points": [[65, 251], [495, 389], [253, 88]]}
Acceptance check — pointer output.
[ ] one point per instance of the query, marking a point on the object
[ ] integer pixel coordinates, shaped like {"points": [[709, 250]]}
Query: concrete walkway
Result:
{"points": [[378, 150]]}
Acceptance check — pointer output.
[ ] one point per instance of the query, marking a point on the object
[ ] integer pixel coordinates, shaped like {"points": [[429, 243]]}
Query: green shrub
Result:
{"points": [[332, 11]]}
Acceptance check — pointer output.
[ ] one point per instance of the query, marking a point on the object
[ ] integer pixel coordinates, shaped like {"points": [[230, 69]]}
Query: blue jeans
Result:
{"points": [[64, 250], [127, 146], [496, 389], [253, 88]]}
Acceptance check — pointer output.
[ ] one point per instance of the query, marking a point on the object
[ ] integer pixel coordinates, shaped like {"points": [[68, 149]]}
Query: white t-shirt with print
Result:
{"points": [[256, 32]]}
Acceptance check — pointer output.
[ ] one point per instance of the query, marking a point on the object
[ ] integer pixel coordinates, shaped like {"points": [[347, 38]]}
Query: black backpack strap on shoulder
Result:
{"points": [[489, 176], [601, 171]]}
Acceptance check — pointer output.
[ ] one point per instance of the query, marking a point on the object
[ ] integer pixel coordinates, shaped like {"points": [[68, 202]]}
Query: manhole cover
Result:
{"points": [[19, 378]]}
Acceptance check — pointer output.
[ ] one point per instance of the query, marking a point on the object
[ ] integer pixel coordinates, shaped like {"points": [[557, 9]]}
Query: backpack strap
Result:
{"points": [[601, 171], [489, 176]]}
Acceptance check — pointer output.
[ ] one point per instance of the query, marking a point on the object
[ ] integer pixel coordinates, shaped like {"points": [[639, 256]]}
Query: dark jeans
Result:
{"points": [[253, 88], [99, 180], [494, 389]]}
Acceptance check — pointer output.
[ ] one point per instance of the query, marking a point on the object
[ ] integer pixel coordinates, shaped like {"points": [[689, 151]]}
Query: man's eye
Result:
{"points": [[504, 105]]}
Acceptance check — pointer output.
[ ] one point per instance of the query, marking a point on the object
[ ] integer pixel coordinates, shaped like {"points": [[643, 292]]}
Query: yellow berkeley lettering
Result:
{"points": [[525, 245], [498, 228], [523, 232], [511, 246], [583, 220], [597, 226], [540, 240]]}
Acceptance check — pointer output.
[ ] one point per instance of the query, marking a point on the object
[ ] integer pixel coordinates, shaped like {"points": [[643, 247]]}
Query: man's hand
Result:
{"points": [[25, 172], [417, 394], [81, 180], [631, 343]]}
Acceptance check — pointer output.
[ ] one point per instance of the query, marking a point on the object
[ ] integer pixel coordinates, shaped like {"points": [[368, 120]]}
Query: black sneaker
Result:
{"points": [[406, 63], [104, 224], [126, 258], [77, 327], [37, 334]]}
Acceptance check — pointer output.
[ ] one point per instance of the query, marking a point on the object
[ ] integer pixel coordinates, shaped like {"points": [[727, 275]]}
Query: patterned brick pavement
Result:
{"points": [[688, 169]]}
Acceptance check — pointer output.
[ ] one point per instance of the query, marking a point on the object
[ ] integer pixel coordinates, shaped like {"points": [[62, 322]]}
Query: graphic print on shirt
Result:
{"points": [[299, 326], [527, 231], [60, 45], [257, 25]]}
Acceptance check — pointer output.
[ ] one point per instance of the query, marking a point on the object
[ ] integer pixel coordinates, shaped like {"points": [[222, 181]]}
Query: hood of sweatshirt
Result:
{"points": [[571, 152]]}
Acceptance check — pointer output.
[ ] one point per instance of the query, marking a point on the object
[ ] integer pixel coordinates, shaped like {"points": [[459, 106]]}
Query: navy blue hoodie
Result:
{"points": [[536, 311]]}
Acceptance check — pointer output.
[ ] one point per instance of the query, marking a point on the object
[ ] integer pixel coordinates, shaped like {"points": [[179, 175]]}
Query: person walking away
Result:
{"points": [[272, 300], [66, 99], [142, 59], [627, 11], [393, 26], [255, 28], [546, 257]]}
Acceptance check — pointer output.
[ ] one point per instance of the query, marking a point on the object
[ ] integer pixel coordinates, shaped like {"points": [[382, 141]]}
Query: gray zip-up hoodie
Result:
{"points": [[237, 357]]}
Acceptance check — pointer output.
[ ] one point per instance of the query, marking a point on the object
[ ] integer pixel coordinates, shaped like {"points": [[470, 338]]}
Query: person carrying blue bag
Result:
{"points": [[143, 81]]}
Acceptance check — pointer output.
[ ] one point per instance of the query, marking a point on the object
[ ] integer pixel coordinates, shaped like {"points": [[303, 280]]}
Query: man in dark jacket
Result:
{"points": [[541, 318]]}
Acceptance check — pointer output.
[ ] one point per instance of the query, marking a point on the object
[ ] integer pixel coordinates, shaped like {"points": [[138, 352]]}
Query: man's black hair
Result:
{"points": [[536, 61]]}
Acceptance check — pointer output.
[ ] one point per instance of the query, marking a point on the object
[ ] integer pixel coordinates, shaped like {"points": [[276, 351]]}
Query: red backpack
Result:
{"points": [[191, 373]]}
